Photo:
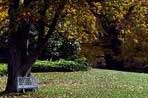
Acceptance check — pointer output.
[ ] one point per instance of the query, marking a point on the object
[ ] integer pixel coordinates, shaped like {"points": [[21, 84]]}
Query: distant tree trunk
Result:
{"points": [[112, 31], [111, 42]]}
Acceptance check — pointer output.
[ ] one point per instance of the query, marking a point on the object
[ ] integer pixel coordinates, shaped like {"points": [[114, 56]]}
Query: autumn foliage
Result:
{"points": [[79, 23]]}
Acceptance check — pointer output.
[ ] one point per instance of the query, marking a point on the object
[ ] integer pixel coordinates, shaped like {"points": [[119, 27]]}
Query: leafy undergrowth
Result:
{"points": [[54, 66], [61, 65], [94, 83], [3, 69]]}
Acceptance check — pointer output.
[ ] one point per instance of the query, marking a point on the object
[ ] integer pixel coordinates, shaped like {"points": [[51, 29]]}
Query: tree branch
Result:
{"points": [[52, 27], [41, 22]]}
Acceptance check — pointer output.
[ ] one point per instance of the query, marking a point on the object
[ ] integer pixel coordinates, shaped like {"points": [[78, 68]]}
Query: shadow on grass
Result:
{"points": [[134, 70], [4, 94]]}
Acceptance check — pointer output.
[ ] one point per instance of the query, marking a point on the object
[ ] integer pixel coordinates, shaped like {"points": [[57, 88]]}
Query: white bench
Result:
{"points": [[27, 83]]}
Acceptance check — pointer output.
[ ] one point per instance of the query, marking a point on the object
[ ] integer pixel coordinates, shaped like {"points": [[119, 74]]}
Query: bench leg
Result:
{"points": [[17, 91], [23, 90]]}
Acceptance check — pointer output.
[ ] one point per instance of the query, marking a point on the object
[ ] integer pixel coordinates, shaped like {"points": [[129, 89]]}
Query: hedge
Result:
{"points": [[60, 65], [55, 66], [3, 69]]}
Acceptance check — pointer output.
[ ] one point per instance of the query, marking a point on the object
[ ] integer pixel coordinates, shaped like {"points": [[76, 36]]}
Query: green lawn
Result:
{"points": [[95, 83]]}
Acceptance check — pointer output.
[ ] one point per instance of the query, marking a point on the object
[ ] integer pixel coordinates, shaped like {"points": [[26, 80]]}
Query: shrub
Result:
{"points": [[3, 69], [61, 65], [55, 66], [60, 48]]}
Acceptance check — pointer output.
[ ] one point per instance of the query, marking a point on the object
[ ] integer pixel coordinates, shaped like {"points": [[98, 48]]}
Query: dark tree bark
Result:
{"points": [[42, 21], [19, 62], [13, 72], [111, 44], [14, 56]]}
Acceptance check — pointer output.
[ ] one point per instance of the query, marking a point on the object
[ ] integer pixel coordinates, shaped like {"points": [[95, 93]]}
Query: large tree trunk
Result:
{"points": [[14, 55], [13, 70], [16, 68], [20, 63], [17, 62]]}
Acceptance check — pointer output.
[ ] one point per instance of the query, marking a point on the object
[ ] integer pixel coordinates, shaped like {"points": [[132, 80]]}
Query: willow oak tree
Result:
{"points": [[20, 22]]}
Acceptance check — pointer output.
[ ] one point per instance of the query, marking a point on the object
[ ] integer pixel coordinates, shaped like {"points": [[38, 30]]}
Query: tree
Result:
{"points": [[31, 24], [21, 56], [112, 18]]}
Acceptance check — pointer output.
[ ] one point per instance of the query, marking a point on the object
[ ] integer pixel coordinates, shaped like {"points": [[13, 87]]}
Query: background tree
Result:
{"points": [[113, 17]]}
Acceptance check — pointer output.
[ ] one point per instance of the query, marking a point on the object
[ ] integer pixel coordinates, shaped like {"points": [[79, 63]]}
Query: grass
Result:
{"points": [[95, 83]]}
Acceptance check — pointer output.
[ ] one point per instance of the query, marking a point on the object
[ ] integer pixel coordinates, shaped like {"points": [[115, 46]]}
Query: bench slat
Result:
{"points": [[27, 83]]}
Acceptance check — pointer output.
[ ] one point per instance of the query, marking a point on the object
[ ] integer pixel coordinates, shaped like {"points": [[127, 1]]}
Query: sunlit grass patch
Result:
{"points": [[94, 83]]}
